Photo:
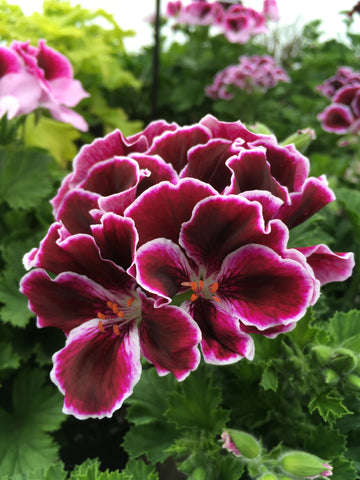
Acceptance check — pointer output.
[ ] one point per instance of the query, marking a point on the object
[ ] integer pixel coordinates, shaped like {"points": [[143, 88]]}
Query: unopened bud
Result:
{"points": [[260, 129], [240, 443], [303, 464], [343, 360], [331, 377], [322, 353], [353, 380], [269, 476], [301, 139]]}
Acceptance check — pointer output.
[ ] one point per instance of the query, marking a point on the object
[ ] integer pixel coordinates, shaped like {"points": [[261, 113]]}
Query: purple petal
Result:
{"points": [[336, 118], [287, 165], [173, 146], [74, 211], [314, 196], [161, 210], [263, 289], [271, 332], [161, 268], [65, 302], [154, 129], [207, 163], [97, 371], [169, 339], [270, 204], [159, 171], [222, 341], [329, 266], [251, 171], [220, 225], [116, 237], [77, 253]]}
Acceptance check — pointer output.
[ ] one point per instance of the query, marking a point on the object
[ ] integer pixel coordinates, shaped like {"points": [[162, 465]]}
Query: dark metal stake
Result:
{"points": [[156, 62]]}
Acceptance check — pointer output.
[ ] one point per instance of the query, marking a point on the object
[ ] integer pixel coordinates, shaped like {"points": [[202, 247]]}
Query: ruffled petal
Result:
{"points": [[222, 341], [76, 253], [74, 211], [116, 237], [173, 146], [222, 224], [263, 289], [159, 171], [327, 265], [337, 118], [169, 339], [97, 371], [161, 268], [208, 163], [312, 198], [161, 210], [251, 171]]}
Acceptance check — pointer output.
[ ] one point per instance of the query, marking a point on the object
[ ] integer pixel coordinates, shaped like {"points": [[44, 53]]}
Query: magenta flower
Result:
{"points": [[108, 321], [226, 270], [240, 23], [271, 10], [344, 76], [200, 13], [252, 73], [54, 74]]}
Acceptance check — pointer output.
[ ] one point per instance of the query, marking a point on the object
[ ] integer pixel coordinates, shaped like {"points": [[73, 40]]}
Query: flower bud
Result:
{"points": [[353, 380], [303, 464], [322, 353], [240, 443], [268, 476], [301, 139], [331, 377], [260, 129], [343, 360]]}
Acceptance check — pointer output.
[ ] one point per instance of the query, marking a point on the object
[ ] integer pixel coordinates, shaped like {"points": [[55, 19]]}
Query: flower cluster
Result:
{"points": [[343, 114], [251, 73], [169, 239], [237, 22], [39, 77]]}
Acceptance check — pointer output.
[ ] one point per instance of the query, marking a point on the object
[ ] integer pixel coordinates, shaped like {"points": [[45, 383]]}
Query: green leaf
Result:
{"points": [[345, 329], [152, 434], [329, 405], [196, 404], [23, 177], [138, 470], [269, 379], [54, 472], [8, 358], [310, 232], [350, 200], [15, 304], [25, 444]]}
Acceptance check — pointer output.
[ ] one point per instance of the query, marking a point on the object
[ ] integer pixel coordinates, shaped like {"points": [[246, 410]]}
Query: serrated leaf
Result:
{"points": [[350, 200], [15, 305], [138, 470], [310, 232], [329, 405], [36, 410], [144, 408], [269, 379], [343, 469], [8, 358], [151, 440], [54, 472], [23, 178], [345, 329], [196, 404]]}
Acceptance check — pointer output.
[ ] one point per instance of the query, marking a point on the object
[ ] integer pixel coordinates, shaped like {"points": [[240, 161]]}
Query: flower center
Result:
{"points": [[200, 289], [113, 312]]}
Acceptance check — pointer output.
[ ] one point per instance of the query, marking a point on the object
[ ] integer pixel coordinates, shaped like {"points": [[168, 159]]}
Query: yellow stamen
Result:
{"points": [[115, 308], [201, 285], [120, 314], [217, 299], [194, 286], [109, 304], [214, 287], [193, 297], [101, 315], [130, 301]]}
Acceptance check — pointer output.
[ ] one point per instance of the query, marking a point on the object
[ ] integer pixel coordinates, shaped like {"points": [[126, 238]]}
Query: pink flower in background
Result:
{"points": [[240, 23], [252, 73], [344, 76], [271, 10], [343, 114], [59, 89], [39, 77]]}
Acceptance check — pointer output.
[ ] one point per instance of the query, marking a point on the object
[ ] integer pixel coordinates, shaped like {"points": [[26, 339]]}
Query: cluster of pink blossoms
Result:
{"points": [[343, 114], [250, 74], [237, 22], [39, 77], [169, 240]]}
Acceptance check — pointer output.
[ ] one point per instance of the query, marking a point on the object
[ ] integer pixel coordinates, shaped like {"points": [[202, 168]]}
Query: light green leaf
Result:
{"points": [[54, 472], [15, 304], [138, 470], [8, 358], [345, 329], [23, 177], [25, 444]]}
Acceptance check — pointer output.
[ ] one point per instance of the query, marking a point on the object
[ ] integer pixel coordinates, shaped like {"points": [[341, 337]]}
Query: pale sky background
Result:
{"points": [[130, 14]]}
